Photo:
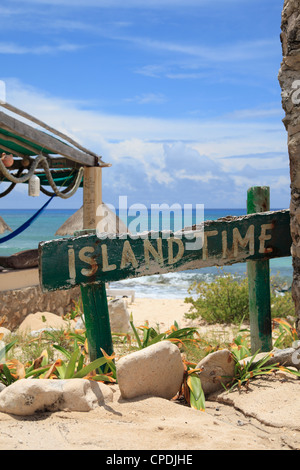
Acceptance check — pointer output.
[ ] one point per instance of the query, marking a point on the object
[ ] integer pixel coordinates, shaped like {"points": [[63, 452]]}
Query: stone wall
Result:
{"points": [[289, 79], [15, 305]]}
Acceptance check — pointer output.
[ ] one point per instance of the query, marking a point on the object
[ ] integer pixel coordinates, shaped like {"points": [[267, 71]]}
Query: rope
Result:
{"points": [[23, 178], [43, 161], [54, 187], [70, 186], [26, 224], [11, 186]]}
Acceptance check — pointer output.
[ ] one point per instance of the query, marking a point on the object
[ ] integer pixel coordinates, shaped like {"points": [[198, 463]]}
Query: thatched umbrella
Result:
{"points": [[3, 226], [75, 223]]}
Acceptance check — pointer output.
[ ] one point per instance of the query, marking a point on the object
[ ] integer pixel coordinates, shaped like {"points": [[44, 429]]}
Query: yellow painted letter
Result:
{"points": [[239, 240], [212, 233], [128, 256], [105, 266], [88, 260], [157, 254], [263, 237], [171, 241]]}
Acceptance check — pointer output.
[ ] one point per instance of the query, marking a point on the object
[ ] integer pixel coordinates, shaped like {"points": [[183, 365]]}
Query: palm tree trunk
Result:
{"points": [[289, 79]]}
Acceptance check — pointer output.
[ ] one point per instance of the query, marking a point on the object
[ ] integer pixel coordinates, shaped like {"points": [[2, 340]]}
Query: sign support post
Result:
{"points": [[94, 299], [258, 200]]}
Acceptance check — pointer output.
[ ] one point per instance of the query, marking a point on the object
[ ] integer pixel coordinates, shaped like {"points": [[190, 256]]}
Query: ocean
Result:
{"points": [[172, 285]]}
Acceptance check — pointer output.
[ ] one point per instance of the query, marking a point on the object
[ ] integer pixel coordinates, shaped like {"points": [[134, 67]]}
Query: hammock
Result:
{"points": [[26, 224]]}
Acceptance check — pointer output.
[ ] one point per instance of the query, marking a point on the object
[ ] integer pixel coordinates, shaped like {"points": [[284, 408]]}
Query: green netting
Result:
{"points": [[61, 178], [18, 147]]}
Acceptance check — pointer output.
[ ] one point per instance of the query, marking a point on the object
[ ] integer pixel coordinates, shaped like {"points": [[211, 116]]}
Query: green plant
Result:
{"points": [[13, 369], [174, 334], [102, 369], [191, 389], [76, 311], [225, 300], [287, 333], [249, 370]]}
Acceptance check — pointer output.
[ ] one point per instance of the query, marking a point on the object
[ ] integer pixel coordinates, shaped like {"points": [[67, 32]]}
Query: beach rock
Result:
{"points": [[289, 357], [5, 332], [25, 397], [118, 316], [80, 325], [156, 370], [39, 321], [217, 369]]}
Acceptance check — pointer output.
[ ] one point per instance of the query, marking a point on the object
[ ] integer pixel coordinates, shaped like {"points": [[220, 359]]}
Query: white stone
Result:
{"points": [[156, 370], [5, 332], [118, 316], [25, 397], [217, 369]]}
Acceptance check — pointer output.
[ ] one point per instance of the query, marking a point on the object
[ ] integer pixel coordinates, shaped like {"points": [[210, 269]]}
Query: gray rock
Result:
{"points": [[217, 369], [25, 397], [156, 370], [289, 357], [118, 316]]}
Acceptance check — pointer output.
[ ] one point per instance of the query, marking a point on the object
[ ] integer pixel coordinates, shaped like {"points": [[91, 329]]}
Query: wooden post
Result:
{"points": [[94, 297], [258, 200], [92, 196]]}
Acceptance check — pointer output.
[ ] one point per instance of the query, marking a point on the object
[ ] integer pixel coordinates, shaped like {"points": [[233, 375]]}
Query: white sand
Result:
{"points": [[156, 424]]}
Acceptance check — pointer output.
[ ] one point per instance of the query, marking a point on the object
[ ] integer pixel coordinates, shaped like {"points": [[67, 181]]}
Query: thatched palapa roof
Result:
{"points": [[4, 227], [75, 223]]}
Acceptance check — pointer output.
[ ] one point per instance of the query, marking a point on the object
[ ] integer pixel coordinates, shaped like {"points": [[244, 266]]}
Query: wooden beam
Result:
{"points": [[44, 140]]}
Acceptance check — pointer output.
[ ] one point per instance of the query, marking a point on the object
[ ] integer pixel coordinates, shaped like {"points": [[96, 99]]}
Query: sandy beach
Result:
{"points": [[266, 417], [159, 313]]}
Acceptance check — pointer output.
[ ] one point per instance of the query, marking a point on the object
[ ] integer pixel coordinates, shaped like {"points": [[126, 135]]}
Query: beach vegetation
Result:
{"points": [[226, 300], [150, 335], [245, 371], [286, 334], [191, 389], [59, 354]]}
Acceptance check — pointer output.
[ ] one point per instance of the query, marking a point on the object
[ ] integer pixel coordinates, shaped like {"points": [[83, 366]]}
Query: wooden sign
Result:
{"points": [[89, 259]]}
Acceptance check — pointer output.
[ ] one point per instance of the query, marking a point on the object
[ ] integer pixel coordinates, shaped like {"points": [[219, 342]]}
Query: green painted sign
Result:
{"points": [[89, 259]]}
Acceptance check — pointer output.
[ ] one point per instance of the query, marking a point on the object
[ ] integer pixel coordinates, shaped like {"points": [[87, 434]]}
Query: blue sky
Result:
{"points": [[180, 96]]}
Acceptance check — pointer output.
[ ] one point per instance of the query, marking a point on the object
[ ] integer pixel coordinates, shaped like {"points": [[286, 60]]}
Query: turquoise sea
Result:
{"points": [[173, 285]]}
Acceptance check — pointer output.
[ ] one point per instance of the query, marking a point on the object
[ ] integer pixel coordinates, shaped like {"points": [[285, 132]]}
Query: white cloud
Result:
{"points": [[148, 98], [17, 49], [170, 158]]}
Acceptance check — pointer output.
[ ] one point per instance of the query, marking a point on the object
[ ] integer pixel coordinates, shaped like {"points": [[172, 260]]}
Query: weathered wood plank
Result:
{"points": [[44, 140], [88, 259], [92, 196], [258, 200]]}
